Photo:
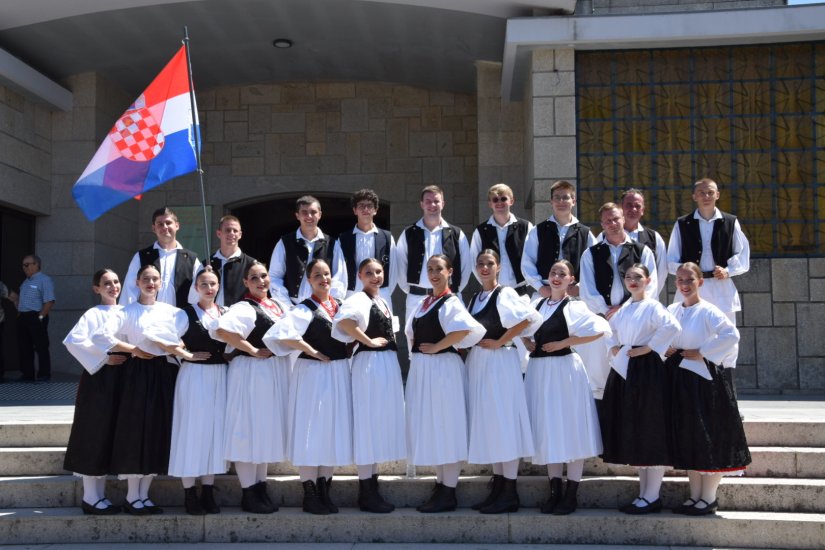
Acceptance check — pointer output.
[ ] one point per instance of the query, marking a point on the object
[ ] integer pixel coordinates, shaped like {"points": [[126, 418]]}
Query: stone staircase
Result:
{"points": [[779, 504]]}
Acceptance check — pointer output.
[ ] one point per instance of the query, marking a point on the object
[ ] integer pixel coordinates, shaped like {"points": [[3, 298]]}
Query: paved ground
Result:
{"points": [[348, 546]]}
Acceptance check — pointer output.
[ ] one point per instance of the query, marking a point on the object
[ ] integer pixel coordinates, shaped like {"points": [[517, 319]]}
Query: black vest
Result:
{"points": [[296, 256], [647, 237], [427, 328], [379, 326], [721, 240], [554, 329], [184, 266], [513, 242], [319, 335], [488, 315], [263, 323], [197, 338], [574, 245], [630, 254], [450, 237], [232, 277], [381, 252]]}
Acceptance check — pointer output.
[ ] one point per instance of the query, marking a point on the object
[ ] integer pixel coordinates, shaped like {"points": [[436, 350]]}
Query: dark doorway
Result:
{"points": [[16, 240], [265, 221]]}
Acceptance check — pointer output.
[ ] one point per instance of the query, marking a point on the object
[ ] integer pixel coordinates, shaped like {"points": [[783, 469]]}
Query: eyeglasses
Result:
{"points": [[365, 206], [562, 198], [633, 278], [499, 199]]}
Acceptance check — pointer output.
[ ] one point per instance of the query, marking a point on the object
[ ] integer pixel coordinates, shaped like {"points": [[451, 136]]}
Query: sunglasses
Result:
{"points": [[499, 199]]}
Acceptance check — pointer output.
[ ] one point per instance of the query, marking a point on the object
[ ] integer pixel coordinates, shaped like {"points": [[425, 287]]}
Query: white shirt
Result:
{"points": [[660, 256], [507, 276], [364, 248], [722, 293], [706, 328], [432, 245], [223, 259], [587, 287], [277, 272], [166, 293], [529, 257]]}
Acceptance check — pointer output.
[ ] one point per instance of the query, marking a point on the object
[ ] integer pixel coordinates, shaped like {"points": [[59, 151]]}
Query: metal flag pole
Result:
{"points": [[196, 133]]}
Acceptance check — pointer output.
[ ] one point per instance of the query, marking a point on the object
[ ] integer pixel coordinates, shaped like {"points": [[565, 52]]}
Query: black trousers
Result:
{"points": [[2, 355], [33, 337]]}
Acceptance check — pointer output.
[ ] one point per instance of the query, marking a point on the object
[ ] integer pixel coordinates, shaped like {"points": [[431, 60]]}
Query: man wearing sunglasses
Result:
{"points": [[34, 304]]}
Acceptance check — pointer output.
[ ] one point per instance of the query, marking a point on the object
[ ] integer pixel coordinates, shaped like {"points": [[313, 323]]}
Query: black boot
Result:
{"points": [[433, 495], [569, 503], [252, 503], [312, 500], [506, 501], [495, 488], [443, 501], [208, 500], [324, 485], [263, 496], [192, 503], [369, 500], [377, 492], [553, 497]]}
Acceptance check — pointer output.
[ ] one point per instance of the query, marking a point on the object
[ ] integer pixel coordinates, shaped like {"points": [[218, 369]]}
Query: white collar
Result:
{"points": [[357, 231], [573, 219], [717, 215], [319, 235], [442, 225], [510, 221], [158, 247], [219, 255]]}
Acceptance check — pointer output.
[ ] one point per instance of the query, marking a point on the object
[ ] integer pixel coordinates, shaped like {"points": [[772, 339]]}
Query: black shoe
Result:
{"points": [[377, 492], [260, 490], [192, 503], [151, 506], [568, 503], [506, 501], [324, 486], [706, 511], [683, 508], [553, 497], [252, 503], [208, 500], [129, 507], [443, 501], [649, 508], [369, 500], [93, 510], [494, 485], [433, 494], [312, 500]]}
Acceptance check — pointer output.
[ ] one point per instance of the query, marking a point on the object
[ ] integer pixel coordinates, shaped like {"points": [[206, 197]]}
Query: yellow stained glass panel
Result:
{"points": [[633, 101], [595, 103], [754, 168], [793, 96], [713, 98], [672, 135], [712, 134], [672, 100]]}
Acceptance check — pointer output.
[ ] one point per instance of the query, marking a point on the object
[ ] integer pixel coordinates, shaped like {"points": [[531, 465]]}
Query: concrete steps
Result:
{"points": [[744, 529]]}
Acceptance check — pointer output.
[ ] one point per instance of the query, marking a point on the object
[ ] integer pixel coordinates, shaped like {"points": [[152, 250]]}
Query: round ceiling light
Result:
{"points": [[282, 43]]}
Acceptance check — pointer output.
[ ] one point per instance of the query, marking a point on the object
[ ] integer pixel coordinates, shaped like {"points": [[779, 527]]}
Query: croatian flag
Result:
{"points": [[153, 142]]}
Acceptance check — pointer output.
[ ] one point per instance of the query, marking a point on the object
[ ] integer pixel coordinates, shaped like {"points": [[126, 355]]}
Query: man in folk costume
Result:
{"points": [[418, 242], [633, 208], [292, 253], [230, 262], [177, 265]]}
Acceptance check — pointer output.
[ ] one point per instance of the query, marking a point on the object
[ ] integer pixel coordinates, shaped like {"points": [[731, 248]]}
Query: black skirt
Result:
{"points": [[95, 413], [143, 430], [707, 429], [634, 414]]}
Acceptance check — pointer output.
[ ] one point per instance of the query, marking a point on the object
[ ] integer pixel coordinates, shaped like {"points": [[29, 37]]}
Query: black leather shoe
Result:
{"points": [[375, 484], [324, 485], [252, 503], [553, 497], [433, 494], [208, 500], [569, 502], [93, 510], [260, 490], [683, 508], [649, 508], [506, 501], [369, 500], [192, 503], [312, 501], [129, 507], [494, 486], [444, 501], [706, 511], [153, 508]]}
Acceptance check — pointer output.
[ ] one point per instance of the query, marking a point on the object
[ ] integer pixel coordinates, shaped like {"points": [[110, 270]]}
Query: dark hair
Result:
{"points": [[641, 267], [165, 211], [432, 189], [145, 267], [366, 261], [252, 264], [315, 262], [489, 252], [567, 264], [99, 275], [35, 258], [306, 200], [631, 191], [442, 257], [364, 195], [208, 269], [690, 266]]}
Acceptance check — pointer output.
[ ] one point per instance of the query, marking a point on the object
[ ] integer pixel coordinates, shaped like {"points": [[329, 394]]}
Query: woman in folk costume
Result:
{"points": [[320, 398], [708, 436], [562, 410], [435, 394], [377, 390], [255, 428], [499, 422], [95, 408], [200, 399], [143, 430], [636, 421]]}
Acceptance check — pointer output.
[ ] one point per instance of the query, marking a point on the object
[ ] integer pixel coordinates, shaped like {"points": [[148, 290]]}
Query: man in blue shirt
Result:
{"points": [[34, 304]]}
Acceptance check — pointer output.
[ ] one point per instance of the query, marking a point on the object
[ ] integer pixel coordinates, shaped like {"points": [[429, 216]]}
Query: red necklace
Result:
{"points": [[430, 300], [331, 310], [267, 303], [214, 308]]}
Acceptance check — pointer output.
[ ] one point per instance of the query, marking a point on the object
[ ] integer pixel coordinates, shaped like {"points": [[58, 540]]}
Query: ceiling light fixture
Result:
{"points": [[282, 43]]}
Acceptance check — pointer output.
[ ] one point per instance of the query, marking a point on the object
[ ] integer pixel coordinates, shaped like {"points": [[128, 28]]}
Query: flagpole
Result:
{"points": [[197, 140]]}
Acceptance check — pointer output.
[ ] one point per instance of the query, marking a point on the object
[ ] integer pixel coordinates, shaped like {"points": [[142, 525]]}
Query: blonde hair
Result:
{"points": [[499, 189]]}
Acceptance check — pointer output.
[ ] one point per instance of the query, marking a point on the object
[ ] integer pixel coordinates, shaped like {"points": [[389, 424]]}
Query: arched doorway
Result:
{"points": [[265, 221]]}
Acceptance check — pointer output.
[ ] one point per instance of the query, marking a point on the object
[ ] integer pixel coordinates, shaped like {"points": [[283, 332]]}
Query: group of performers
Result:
{"points": [[201, 366]]}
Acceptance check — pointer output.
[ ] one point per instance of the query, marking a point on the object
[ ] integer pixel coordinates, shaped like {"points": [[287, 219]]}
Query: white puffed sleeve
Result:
{"points": [[90, 354], [454, 317], [512, 310], [722, 348], [291, 327], [582, 322], [162, 327], [357, 308], [240, 319], [666, 327], [181, 323]]}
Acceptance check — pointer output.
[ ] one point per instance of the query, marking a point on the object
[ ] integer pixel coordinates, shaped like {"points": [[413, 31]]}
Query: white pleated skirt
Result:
{"points": [[377, 408], [256, 409], [320, 413], [562, 410], [436, 409], [198, 421], [499, 421]]}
